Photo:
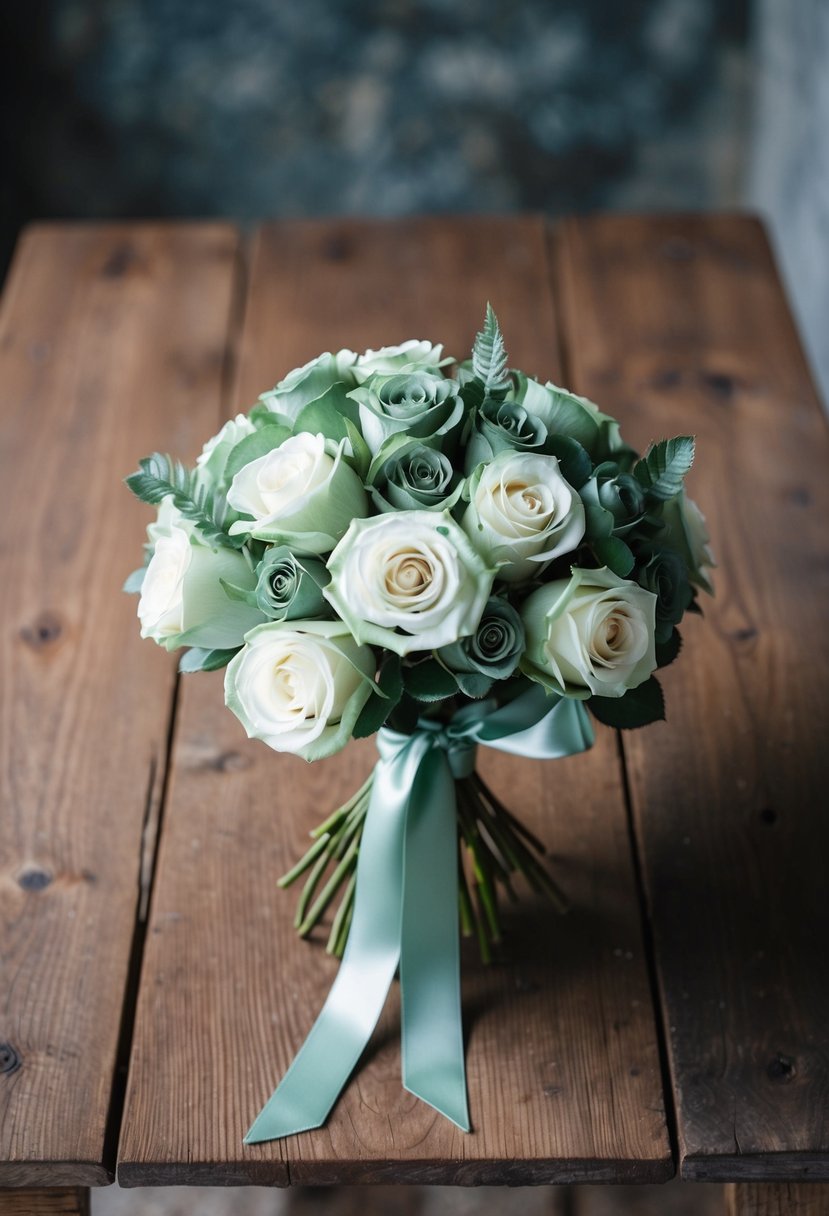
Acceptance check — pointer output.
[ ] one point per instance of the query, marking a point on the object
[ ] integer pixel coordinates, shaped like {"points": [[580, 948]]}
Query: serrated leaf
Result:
{"points": [[198, 659], [378, 707], [662, 469], [666, 652], [639, 707], [614, 554], [429, 681], [160, 476], [489, 357]]}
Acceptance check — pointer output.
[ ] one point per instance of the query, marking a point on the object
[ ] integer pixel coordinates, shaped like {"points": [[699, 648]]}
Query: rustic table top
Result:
{"points": [[677, 1017]]}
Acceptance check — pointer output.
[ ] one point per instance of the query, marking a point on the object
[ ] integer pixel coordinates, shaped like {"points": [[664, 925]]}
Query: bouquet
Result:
{"points": [[445, 560]]}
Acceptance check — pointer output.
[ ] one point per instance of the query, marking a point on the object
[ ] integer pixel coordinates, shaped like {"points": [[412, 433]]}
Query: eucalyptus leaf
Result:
{"points": [[575, 463], [614, 554], [253, 447], [135, 581], [429, 681], [198, 659], [382, 703]]}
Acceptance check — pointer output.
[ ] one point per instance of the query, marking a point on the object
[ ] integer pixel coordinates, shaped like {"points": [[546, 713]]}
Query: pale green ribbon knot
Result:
{"points": [[406, 911]]}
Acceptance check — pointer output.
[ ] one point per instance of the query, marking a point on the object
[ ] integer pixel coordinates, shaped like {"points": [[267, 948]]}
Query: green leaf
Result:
{"points": [[243, 594], [576, 465], [638, 707], [429, 681], [159, 476], [614, 554], [380, 705], [197, 659], [135, 581], [261, 416], [489, 357], [361, 458], [664, 465], [254, 446], [666, 652]]}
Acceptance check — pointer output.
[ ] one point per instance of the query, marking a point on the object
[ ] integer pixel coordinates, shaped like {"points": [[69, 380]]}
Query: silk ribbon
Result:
{"points": [[406, 911]]}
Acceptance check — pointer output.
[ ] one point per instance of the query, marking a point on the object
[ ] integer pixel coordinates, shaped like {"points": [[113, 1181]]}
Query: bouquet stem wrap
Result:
{"points": [[406, 911]]}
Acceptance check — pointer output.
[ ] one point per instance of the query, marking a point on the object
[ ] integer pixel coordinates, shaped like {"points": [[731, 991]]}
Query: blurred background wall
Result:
{"points": [[254, 108]]}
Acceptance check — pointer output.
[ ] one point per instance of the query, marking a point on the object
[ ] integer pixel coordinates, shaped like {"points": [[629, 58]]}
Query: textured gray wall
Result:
{"points": [[272, 107], [789, 176]]}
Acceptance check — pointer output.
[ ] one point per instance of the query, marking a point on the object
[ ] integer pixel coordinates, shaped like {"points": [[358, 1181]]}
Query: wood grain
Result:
{"points": [[111, 344], [46, 1201], [562, 1058], [680, 325], [777, 1199]]}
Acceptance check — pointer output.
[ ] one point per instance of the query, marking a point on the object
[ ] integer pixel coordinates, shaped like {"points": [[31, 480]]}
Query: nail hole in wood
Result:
{"points": [[768, 815]]}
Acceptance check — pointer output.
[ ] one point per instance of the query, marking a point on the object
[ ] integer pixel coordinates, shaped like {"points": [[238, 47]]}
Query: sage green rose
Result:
{"points": [[490, 653], [499, 426], [664, 572], [419, 404], [289, 586], [414, 477]]}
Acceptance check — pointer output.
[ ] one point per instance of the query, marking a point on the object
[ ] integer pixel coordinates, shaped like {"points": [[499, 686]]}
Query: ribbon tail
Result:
{"points": [[312, 1084], [432, 1031]]}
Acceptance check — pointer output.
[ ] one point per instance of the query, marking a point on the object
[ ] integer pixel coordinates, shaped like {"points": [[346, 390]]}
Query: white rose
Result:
{"points": [[408, 580], [210, 464], [301, 493], [590, 634], [300, 687], [522, 513], [409, 356], [183, 602]]}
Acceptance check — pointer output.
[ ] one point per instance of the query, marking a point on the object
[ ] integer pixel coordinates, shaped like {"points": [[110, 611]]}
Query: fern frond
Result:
{"points": [[489, 357]]}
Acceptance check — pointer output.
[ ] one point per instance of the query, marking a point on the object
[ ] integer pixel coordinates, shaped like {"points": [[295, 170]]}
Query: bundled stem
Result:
{"points": [[492, 846]]}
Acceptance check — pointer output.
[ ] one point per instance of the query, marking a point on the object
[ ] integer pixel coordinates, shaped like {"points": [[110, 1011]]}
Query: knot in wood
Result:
{"points": [[781, 1068], [9, 1059], [34, 879], [43, 632]]}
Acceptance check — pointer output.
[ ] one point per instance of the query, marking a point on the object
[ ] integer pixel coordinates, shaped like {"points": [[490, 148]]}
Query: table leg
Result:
{"points": [[45, 1201], [777, 1199]]}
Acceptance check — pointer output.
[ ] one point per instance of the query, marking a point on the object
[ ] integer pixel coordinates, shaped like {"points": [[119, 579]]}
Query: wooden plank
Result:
{"points": [[677, 325], [111, 344], [563, 1064], [777, 1199], [47, 1201]]}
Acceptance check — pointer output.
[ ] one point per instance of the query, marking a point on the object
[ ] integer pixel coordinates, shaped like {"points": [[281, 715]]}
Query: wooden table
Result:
{"points": [[152, 987]]}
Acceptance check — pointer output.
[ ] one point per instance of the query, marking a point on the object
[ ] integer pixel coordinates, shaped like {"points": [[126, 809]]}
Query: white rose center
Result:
{"points": [[290, 473]]}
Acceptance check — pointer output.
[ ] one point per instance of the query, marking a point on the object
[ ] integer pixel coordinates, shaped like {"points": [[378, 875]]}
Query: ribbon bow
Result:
{"points": [[406, 911]]}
